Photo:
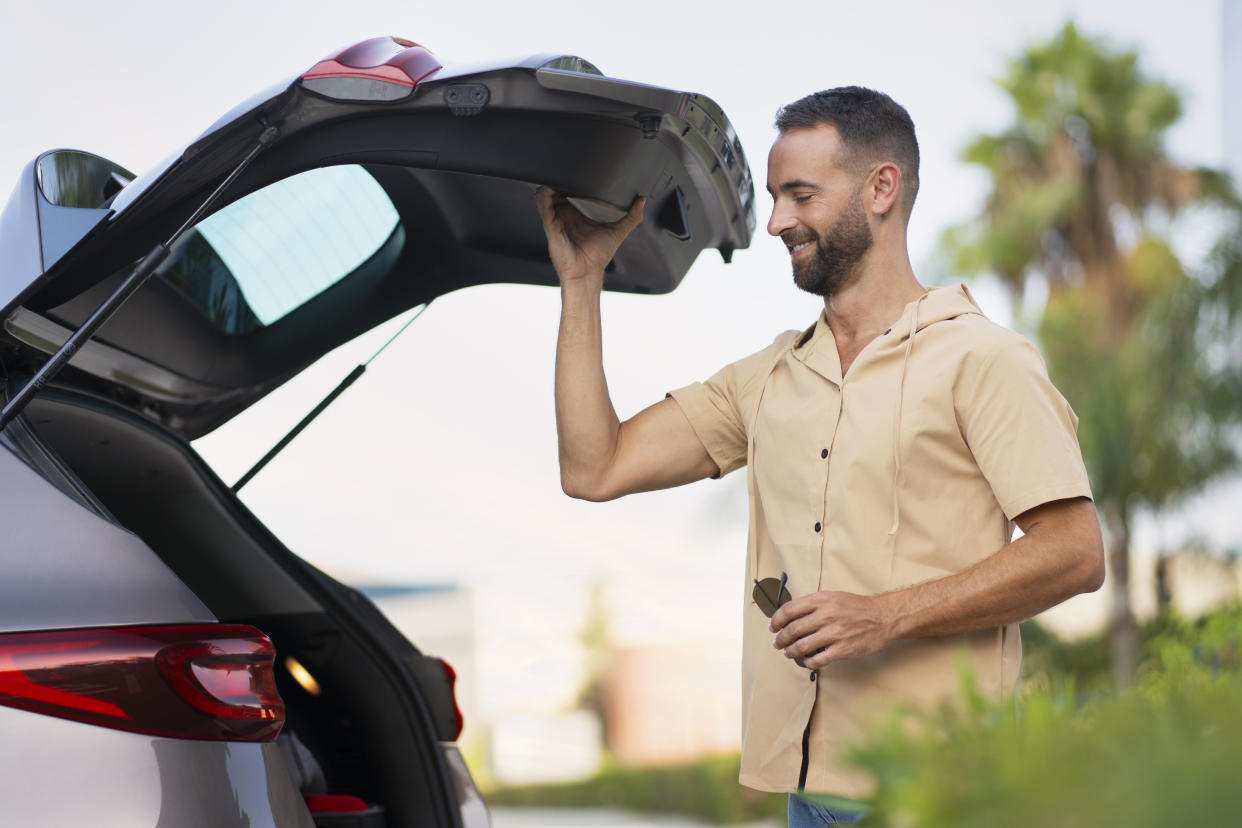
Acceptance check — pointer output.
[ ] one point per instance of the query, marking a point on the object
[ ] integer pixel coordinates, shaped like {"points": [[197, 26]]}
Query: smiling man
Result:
{"points": [[891, 448]]}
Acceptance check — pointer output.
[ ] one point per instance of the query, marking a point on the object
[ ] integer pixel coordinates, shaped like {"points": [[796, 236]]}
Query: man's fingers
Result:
{"points": [[812, 642], [790, 610], [634, 216], [545, 201], [824, 657], [549, 201], [796, 629]]}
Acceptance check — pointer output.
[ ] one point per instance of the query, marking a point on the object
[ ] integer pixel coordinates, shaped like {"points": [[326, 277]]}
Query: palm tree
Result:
{"points": [[1085, 199]]}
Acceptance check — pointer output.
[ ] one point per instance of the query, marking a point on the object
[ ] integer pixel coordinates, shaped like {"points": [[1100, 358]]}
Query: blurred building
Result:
{"points": [[534, 748], [1196, 581], [674, 703], [505, 744]]}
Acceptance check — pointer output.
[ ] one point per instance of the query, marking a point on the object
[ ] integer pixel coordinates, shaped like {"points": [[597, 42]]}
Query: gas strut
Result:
{"points": [[358, 371], [135, 280]]}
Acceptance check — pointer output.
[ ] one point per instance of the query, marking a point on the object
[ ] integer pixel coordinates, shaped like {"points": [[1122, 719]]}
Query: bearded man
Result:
{"points": [[891, 449]]}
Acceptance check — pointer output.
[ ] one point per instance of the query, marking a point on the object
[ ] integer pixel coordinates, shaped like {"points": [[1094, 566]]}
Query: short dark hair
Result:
{"points": [[873, 127]]}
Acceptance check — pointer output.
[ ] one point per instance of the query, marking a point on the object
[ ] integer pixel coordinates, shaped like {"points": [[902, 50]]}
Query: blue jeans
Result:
{"points": [[803, 814]]}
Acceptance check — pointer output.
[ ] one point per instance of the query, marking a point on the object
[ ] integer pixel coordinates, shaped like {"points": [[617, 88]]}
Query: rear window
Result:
{"points": [[267, 254]]}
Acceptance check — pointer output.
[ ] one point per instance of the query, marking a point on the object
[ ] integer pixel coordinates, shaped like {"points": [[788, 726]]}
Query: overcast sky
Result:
{"points": [[440, 464]]}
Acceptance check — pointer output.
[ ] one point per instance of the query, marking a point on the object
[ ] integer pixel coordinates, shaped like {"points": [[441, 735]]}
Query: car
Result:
{"points": [[164, 658]]}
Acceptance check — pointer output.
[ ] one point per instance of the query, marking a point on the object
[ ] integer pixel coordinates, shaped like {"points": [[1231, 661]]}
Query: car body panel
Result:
{"points": [[48, 214], [20, 241], [110, 777], [113, 449], [469, 800], [66, 566]]}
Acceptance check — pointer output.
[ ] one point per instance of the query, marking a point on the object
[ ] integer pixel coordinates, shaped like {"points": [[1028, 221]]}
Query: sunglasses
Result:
{"points": [[769, 594]]}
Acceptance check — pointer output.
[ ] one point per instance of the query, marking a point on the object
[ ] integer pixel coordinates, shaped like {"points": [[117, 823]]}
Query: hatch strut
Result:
{"points": [[358, 371], [135, 280]]}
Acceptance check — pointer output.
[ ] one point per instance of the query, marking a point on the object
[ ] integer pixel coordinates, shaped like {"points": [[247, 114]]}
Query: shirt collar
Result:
{"points": [[816, 348]]}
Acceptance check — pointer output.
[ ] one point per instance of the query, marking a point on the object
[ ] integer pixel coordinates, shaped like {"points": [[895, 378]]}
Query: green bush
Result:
{"points": [[705, 790], [1049, 661], [1164, 753], [1070, 753]]}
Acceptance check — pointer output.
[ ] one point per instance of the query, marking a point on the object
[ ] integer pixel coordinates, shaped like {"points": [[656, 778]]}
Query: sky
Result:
{"points": [[440, 464]]}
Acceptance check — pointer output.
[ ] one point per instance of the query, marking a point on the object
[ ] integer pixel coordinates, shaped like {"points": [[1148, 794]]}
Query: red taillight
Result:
{"points": [[205, 681], [450, 675], [386, 59]]}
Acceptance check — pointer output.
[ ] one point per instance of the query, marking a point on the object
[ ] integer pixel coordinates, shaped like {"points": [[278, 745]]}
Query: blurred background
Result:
{"points": [[1075, 169]]}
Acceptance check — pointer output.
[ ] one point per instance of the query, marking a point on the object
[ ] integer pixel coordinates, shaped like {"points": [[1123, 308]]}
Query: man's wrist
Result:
{"points": [[586, 283], [894, 615]]}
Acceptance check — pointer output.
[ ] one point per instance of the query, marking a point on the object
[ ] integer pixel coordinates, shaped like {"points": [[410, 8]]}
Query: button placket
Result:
{"points": [[826, 455]]}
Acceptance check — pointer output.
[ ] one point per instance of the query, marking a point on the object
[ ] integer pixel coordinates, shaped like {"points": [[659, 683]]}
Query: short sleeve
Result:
{"points": [[1020, 430], [717, 408]]}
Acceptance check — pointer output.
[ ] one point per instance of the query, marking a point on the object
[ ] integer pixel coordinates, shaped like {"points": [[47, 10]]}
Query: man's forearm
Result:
{"points": [[1037, 571], [586, 423], [1060, 555]]}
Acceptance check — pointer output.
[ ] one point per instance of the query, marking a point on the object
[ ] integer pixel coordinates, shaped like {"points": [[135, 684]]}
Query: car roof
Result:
{"points": [[443, 161]]}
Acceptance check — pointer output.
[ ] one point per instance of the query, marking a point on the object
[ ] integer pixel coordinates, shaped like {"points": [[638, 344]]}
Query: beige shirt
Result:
{"points": [[911, 467]]}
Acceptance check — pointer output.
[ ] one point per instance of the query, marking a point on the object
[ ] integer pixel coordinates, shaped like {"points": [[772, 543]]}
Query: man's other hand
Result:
{"points": [[828, 626], [578, 246]]}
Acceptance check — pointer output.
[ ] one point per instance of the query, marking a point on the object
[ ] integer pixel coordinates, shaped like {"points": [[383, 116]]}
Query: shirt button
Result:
{"points": [[824, 454], [813, 674], [818, 526]]}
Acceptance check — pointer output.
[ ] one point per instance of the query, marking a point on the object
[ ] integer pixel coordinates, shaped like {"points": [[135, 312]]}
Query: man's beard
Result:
{"points": [[834, 266]]}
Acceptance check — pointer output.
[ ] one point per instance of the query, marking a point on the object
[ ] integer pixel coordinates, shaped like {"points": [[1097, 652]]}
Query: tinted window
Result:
{"points": [[269, 253], [69, 178]]}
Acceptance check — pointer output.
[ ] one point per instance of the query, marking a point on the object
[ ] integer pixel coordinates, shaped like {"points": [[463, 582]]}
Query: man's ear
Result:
{"points": [[884, 186]]}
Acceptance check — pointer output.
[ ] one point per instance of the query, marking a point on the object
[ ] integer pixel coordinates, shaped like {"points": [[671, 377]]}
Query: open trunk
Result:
{"points": [[365, 206], [384, 709]]}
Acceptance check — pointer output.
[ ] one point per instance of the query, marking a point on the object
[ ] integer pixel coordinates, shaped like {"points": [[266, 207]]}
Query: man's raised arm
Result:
{"points": [[601, 457]]}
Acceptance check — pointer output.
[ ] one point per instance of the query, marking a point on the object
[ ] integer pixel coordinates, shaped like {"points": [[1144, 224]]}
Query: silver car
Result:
{"points": [[164, 659]]}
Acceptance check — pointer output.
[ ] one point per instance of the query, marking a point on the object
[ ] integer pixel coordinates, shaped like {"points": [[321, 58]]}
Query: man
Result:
{"points": [[890, 450]]}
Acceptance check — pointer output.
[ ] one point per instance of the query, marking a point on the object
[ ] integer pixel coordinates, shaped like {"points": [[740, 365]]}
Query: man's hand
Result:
{"points": [[831, 626], [579, 247]]}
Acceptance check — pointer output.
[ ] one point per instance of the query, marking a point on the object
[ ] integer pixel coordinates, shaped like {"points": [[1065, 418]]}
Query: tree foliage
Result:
{"points": [[1086, 200]]}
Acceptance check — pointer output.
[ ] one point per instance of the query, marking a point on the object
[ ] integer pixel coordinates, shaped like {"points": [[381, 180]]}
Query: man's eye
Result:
{"points": [[802, 198]]}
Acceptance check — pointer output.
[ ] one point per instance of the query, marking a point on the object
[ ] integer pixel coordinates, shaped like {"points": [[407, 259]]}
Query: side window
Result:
{"points": [[272, 251]]}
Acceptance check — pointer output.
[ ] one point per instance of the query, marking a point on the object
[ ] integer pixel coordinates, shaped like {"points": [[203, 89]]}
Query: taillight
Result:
{"points": [[379, 69], [204, 681], [450, 675]]}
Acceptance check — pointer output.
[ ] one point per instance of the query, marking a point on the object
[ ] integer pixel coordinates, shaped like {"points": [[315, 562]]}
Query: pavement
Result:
{"points": [[565, 818]]}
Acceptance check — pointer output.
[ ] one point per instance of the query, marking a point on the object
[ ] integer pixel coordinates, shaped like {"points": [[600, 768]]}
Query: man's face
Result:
{"points": [[817, 209]]}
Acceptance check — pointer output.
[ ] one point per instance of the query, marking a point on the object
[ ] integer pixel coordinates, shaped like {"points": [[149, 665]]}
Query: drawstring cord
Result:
{"points": [[901, 387], [753, 537]]}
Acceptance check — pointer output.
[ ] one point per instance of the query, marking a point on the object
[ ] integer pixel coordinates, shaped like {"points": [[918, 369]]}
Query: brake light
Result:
{"points": [[397, 65], [202, 681], [450, 675]]}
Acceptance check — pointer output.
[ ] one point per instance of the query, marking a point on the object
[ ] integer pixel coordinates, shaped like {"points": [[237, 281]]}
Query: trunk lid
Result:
{"points": [[394, 180]]}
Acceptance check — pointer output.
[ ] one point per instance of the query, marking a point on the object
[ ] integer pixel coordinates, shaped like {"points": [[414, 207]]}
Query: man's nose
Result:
{"points": [[781, 219]]}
